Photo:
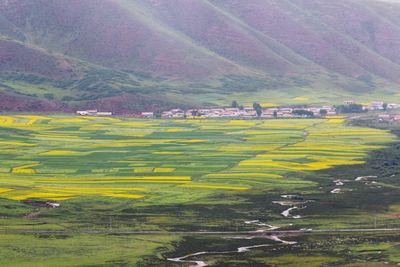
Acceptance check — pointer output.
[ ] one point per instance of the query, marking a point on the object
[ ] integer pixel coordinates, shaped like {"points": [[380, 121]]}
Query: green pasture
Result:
{"points": [[80, 250]]}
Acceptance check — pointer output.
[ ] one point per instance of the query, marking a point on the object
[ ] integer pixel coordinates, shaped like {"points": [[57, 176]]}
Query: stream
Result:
{"points": [[293, 202], [238, 250], [293, 205]]}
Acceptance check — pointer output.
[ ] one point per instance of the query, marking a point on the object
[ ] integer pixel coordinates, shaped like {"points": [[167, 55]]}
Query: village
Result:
{"points": [[246, 112], [256, 111]]}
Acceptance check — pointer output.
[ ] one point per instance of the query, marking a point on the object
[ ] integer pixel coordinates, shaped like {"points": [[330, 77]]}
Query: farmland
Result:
{"points": [[158, 162], [166, 175]]}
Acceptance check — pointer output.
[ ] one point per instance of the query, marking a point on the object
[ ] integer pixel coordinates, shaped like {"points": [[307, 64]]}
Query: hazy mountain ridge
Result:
{"points": [[156, 50]]}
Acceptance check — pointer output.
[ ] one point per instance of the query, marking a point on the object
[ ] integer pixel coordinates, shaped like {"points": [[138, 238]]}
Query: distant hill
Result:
{"points": [[129, 55]]}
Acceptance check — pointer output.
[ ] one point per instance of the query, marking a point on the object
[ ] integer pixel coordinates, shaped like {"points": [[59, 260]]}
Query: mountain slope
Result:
{"points": [[130, 55], [314, 29], [18, 57], [106, 33]]}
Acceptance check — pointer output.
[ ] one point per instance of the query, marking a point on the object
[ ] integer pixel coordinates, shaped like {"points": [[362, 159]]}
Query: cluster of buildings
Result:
{"points": [[250, 112], [247, 112], [375, 105]]}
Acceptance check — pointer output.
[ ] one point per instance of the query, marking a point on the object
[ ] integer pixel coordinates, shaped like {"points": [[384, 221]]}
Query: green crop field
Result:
{"points": [[121, 173]]}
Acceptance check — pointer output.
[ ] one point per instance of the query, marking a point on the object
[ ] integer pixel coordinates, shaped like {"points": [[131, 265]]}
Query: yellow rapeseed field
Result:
{"points": [[42, 195], [4, 190], [160, 169], [26, 169], [60, 153], [65, 157], [300, 98]]}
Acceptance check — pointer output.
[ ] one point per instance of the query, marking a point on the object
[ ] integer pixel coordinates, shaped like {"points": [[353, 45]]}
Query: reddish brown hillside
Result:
{"points": [[223, 34], [100, 51], [12, 102], [321, 31], [112, 34], [18, 57], [199, 39]]}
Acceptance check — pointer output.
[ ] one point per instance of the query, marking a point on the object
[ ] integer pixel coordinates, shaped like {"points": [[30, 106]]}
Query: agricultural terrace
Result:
{"points": [[62, 158]]}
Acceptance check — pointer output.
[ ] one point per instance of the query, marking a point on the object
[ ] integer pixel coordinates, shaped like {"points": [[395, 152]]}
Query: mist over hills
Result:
{"points": [[128, 55]]}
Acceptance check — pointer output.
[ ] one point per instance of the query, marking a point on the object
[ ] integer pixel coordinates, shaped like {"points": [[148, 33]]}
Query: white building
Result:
{"points": [[147, 114], [376, 105], [93, 112]]}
